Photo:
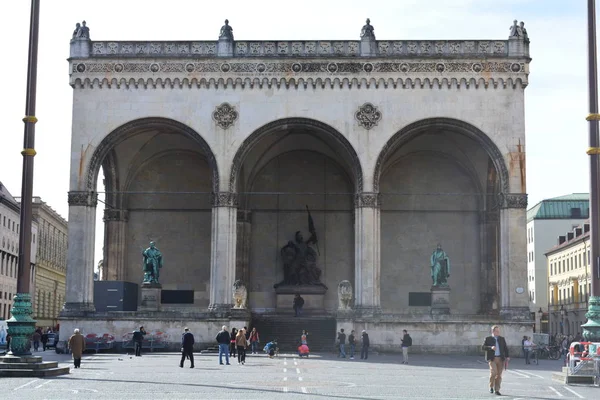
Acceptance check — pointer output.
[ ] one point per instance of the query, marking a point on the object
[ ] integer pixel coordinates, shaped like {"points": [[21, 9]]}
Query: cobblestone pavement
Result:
{"points": [[157, 376]]}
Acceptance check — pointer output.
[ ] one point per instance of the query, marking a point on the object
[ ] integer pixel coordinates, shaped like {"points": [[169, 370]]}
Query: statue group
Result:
{"points": [[153, 262], [440, 267], [300, 259], [81, 31]]}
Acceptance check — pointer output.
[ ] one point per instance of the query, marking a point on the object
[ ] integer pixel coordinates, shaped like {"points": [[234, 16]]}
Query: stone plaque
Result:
{"points": [[150, 299]]}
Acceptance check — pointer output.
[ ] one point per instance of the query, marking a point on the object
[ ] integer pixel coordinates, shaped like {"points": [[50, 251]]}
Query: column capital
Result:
{"points": [[87, 199], [224, 199], [367, 199], [114, 214], [512, 200]]}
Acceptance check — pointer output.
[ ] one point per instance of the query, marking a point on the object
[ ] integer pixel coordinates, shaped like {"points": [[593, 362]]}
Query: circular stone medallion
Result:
{"points": [[368, 67], [332, 67], [262, 67], [189, 67], [119, 67], [225, 67], [80, 67], [154, 67], [296, 67], [404, 67], [515, 67], [439, 67], [477, 67]]}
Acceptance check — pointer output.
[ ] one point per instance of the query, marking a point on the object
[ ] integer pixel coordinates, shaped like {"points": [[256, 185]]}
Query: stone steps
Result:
{"points": [[29, 366], [287, 330]]}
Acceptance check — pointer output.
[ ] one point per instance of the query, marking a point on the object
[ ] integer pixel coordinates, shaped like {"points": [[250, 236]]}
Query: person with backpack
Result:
{"points": [[406, 343]]}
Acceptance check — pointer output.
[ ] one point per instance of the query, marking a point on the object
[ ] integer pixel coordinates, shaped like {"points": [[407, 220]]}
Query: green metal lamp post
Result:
{"points": [[21, 326], [591, 329]]}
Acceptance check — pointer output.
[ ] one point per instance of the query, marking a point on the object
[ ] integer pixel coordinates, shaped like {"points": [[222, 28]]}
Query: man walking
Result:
{"points": [[342, 340], [298, 304], [77, 346], [223, 339], [364, 351], [406, 343], [187, 347], [352, 343], [138, 339], [496, 353]]}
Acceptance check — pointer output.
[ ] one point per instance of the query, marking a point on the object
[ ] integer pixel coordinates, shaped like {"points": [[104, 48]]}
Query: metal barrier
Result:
{"points": [[583, 360]]}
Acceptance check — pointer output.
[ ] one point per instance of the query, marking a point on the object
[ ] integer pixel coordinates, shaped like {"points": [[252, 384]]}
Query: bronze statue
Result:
{"points": [[153, 262], [300, 259], [440, 267]]}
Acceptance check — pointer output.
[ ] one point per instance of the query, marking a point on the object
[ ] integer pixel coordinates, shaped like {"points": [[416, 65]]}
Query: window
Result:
{"points": [[575, 213]]}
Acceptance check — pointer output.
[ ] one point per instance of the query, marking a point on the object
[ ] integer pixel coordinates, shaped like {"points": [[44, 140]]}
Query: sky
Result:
{"points": [[556, 100]]}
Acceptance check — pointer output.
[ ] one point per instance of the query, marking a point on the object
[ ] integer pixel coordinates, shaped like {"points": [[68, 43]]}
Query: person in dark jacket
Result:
{"points": [[224, 340], [496, 354], [298, 304], [364, 350], [232, 348], [187, 347], [138, 339], [44, 341], [406, 343]]}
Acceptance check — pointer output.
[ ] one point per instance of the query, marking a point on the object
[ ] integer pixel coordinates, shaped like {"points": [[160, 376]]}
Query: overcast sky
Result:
{"points": [[555, 101]]}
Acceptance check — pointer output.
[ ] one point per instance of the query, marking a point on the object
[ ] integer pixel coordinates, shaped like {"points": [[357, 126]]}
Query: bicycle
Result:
{"points": [[551, 353]]}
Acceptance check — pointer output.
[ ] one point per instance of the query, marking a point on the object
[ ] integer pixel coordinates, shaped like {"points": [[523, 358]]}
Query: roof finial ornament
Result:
{"points": [[518, 31], [367, 31], [226, 31]]}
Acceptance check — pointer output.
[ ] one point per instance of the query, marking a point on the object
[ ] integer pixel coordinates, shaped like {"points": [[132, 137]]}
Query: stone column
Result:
{"points": [[114, 243], [244, 231], [80, 254], [223, 246], [514, 298], [367, 252]]}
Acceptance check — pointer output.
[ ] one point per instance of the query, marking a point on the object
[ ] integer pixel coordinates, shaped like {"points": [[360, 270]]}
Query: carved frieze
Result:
{"points": [[114, 214], [87, 199], [513, 200], [225, 115], [367, 200], [368, 116], [225, 199]]}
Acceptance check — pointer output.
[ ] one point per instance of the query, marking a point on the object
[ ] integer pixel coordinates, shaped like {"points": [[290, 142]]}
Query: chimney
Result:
{"points": [[561, 240]]}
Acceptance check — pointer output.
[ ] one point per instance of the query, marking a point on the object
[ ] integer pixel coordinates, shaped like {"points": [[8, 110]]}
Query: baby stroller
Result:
{"points": [[303, 351], [271, 349]]}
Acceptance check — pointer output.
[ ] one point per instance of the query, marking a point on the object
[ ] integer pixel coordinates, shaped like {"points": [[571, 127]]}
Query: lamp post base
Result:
{"points": [[21, 326], [591, 329]]}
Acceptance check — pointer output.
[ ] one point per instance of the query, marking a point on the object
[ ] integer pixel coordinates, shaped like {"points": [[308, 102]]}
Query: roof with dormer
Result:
{"points": [[561, 207]]}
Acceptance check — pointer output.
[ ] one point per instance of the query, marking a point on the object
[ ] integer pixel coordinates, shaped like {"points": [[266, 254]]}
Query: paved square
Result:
{"points": [[157, 376]]}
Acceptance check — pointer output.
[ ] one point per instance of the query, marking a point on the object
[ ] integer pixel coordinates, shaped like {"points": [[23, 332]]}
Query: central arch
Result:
{"points": [[285, 125]]}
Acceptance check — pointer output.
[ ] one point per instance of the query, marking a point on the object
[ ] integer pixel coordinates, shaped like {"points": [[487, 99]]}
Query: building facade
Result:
{"points": [[9, 251], [545, 222], [51, 267], [569, 274], [217, 149]]}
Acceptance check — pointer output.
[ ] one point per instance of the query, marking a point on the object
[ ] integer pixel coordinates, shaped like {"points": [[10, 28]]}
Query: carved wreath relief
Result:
{"points": [[225, 115], [368, 116]]}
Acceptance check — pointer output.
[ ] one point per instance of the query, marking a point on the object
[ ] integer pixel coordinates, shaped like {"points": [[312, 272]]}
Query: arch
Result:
{"points": [[124, 131], [412, 130], [285, 124]]}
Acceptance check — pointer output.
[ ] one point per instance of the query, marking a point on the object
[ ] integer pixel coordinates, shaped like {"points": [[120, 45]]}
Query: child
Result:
{"points": [[271, 348], [303, 351]]}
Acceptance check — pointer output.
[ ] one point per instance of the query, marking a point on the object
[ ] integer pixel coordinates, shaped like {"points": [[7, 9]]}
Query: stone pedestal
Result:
{"points": [[314, 297], [150, 298], [440, 300]]}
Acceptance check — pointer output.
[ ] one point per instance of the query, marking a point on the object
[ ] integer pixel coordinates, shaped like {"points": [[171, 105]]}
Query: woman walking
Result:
{"points": [[241, 342], [254, 340]]}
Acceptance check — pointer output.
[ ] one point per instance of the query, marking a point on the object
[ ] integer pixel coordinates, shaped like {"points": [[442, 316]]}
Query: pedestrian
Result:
{"points": [[44, 341], [232, 348], [36, 338], [352, 343], [364, 350], [138, 340], [241, 342], [527, 348], [77, 347], [223, 339], [406, 343], [304, 337], [496, 354], [298, 304], [187, 347], [247, 332], [254, 340], [342, 341]]}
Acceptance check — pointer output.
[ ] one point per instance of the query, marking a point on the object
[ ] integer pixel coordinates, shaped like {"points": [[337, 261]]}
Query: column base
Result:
{"points": [[77, 309], [367, 311], [21, 326], [591, 329], [150, 298], [516, 314]]}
